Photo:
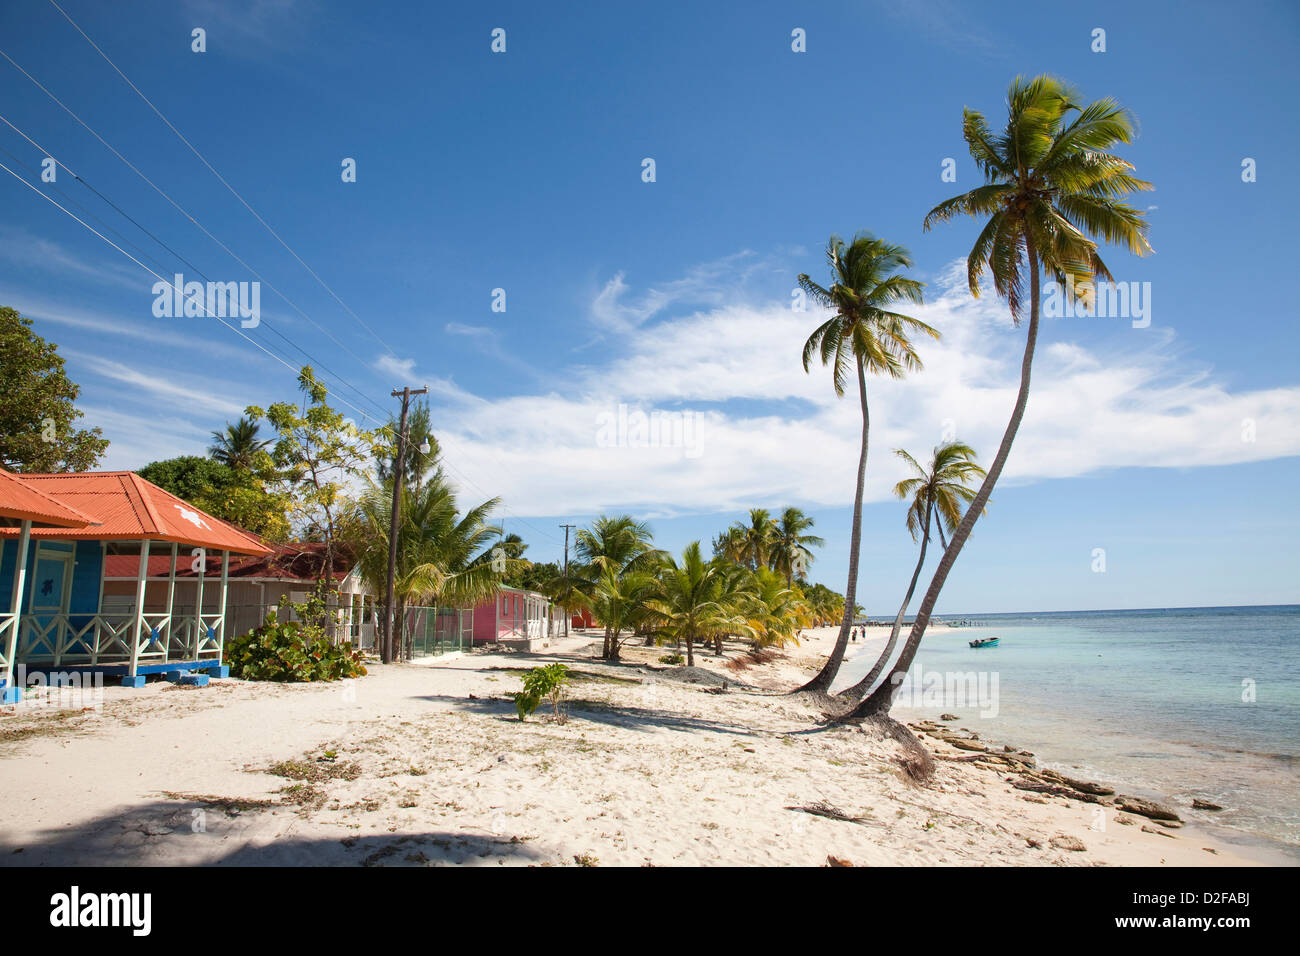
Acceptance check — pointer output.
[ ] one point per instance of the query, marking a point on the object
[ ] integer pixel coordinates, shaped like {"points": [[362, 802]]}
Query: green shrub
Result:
{"points": [[291, 652], [545, 682], [673, 659]]}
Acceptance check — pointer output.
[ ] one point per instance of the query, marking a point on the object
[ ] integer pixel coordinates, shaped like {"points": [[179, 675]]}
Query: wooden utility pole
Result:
{"points": [[567, 614], [399, 473]]}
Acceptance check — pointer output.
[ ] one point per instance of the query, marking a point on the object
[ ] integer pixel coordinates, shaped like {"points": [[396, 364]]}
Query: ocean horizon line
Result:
{"points": [[940, 615]]}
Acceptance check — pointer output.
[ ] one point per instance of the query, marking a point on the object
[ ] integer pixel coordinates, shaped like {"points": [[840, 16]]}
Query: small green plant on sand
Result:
{"points": [[542, 683], [673, 659]]}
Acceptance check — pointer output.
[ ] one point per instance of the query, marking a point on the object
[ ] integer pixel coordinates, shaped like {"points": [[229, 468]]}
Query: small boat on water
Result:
{"points": [[986, 642]]}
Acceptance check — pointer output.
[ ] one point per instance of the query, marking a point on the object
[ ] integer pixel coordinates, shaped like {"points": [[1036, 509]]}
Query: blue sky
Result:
{"points": [[523, 171]]}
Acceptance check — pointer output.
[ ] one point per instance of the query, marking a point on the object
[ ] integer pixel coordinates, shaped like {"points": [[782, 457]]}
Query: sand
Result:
{"points": [[426, 763]]}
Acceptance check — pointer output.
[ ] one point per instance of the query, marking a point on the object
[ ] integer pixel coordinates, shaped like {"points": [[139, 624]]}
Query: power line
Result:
{"points": [[270, 327], [228, 250], [177, 206], [222, 180]]}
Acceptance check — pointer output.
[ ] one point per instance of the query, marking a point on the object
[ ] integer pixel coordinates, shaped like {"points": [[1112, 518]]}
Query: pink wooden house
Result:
{"points": [[514, 616]]}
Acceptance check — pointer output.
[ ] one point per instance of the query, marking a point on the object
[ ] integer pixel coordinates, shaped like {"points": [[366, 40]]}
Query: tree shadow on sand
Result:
{"points": [[219, 831], [598, 712]]}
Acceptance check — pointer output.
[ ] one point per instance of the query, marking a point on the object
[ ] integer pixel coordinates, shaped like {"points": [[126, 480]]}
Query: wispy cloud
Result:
{"points": [[150, 384], [22, 248], [176, 333], [1104, 397], [710, 284]]}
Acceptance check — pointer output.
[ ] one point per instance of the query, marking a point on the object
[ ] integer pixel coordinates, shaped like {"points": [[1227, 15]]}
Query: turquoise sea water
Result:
{"points": [[1176, 703]]}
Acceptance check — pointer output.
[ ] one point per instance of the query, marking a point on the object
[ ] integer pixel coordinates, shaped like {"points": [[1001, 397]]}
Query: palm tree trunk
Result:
{"points": [[690, 651], [883, 698], [826, 676], [856, 692]]}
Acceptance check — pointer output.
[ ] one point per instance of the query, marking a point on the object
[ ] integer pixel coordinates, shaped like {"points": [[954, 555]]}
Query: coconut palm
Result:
{"points": [[730, 544], [775, 612], [238, 445], [758, 536], [695, 599], [938, 494], [619, 546], [619, 600], [440, 552], [863, 335], [1050, 187], [789, 552]]}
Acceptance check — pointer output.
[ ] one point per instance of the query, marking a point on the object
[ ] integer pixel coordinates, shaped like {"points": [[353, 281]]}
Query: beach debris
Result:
{"points": [[1034, 843], [823, 809], [963, 744], [1147, 829], [1123, 820], [1146, 808], [949, 717], [1199, 804], [1063, 841], [1209, 849], [836, 861]]}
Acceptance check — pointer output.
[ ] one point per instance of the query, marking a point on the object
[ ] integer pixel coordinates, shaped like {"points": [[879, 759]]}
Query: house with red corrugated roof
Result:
{"points": [[57, 536]]}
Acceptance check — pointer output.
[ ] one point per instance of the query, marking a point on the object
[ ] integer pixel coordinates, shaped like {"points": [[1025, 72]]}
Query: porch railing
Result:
{"points": [[106, 638]]}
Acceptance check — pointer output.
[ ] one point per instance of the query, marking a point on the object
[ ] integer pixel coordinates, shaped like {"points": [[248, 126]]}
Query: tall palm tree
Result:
{"points": [[864, 335], [758, 536], [939, 493], [238, 445], [1050, 186], [730, 544], [617, 545], [790, 547], [697, 599]]}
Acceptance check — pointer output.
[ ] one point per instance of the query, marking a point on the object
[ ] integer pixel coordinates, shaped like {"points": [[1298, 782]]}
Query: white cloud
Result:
{"points": [[1104, 396]]}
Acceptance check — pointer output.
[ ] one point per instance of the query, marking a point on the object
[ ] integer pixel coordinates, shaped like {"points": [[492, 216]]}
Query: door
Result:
{"points": [[48, 601]]}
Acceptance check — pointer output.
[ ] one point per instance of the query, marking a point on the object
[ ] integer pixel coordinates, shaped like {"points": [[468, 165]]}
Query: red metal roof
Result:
{"points": [[294, 561], [22, 500], [129, 508]]}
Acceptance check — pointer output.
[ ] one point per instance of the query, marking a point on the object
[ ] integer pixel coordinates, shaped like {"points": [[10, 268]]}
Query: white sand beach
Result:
{"points": [[426, 763]]}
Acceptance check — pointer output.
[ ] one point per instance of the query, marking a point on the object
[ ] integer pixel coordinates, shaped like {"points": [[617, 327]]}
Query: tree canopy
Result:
{"points": [[38, 416]]}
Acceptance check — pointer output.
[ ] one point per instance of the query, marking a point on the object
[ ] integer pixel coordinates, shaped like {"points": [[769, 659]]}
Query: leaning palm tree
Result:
{"points": [[238, 445], [939, 493], [1050, 186], [697, 599], [790, 554], [864, 335]]}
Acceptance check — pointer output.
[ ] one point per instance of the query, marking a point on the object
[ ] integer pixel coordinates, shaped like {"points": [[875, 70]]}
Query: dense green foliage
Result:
{"points": [[37, 414], [291, 652]]}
